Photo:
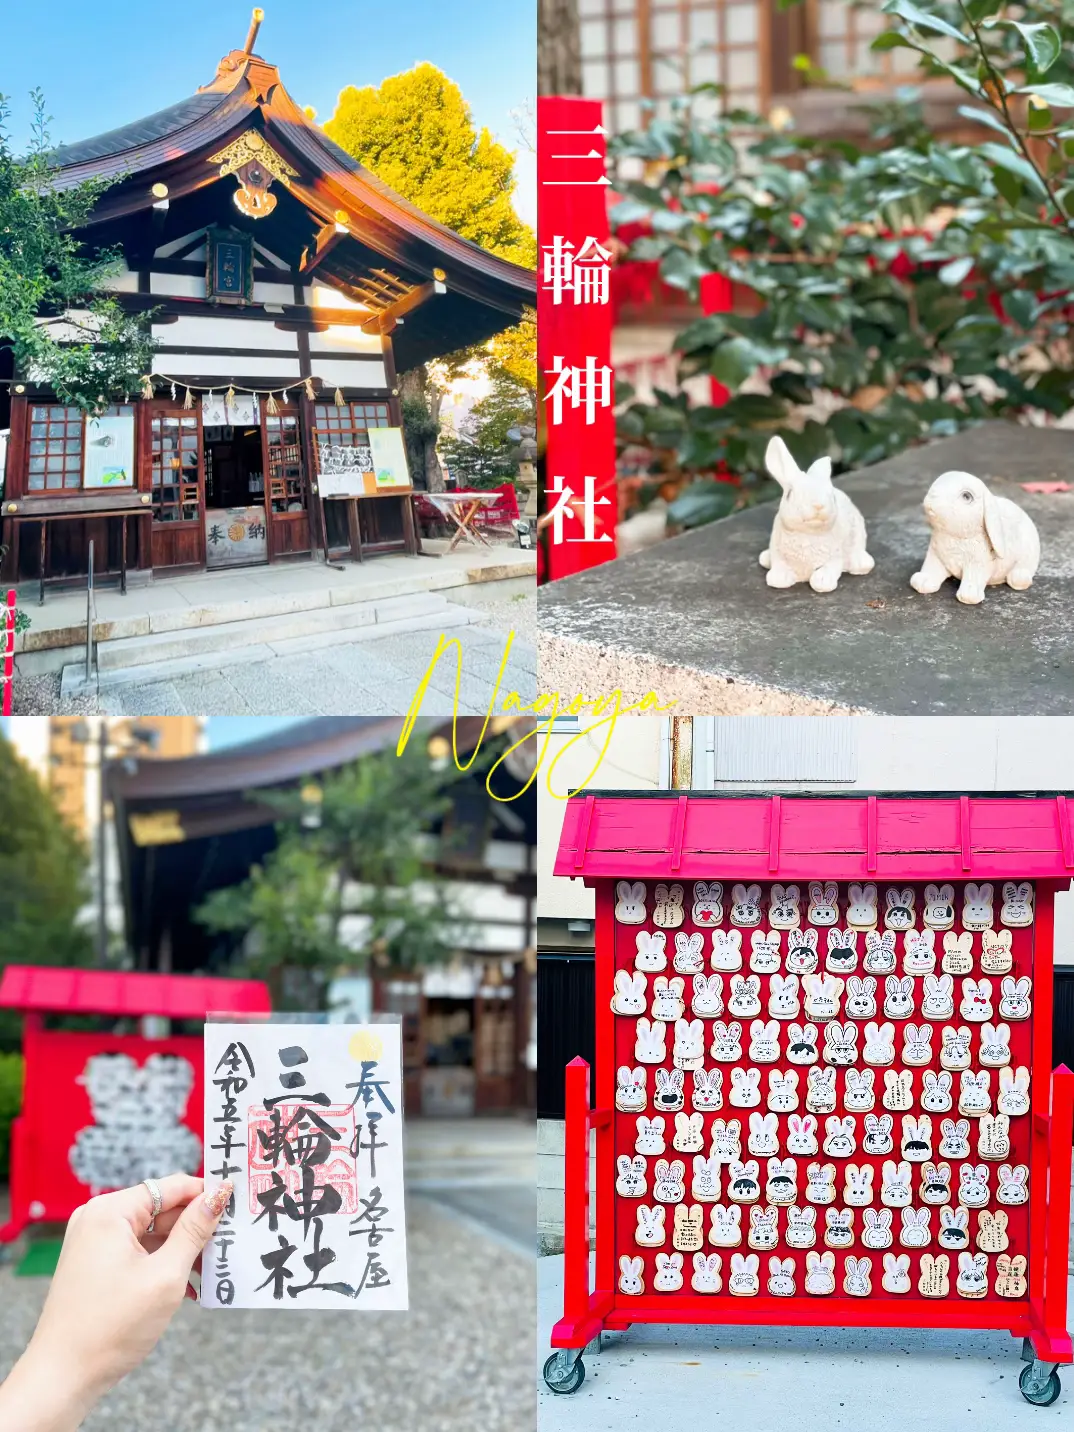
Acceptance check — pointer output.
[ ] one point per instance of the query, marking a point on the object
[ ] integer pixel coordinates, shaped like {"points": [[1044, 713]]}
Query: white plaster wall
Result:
{"points": [[226, 333], [340, 338], [177, 285], [323, 295], [273, 292], [349, 374], [573, 759], [125, 282], [180, 365]]}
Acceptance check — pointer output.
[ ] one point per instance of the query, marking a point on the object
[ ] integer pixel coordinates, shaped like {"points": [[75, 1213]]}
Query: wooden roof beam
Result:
{"points": [[389, 292], [326, 240], [387, 318]]}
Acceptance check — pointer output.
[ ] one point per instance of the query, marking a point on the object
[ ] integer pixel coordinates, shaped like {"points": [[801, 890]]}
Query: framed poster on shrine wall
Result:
{"points": [[343, 468], [229, 266], [389, 457], [109, 451]]}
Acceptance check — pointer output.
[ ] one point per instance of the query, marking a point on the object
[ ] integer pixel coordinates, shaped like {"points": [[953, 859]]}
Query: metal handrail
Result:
{"points": [[91, 614]]}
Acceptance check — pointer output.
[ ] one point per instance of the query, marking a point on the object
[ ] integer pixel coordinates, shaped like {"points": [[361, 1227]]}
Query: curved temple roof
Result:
{"points": [[485, 293]]}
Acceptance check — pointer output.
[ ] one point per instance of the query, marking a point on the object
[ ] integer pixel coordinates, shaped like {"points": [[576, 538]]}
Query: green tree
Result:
{"points": [[415, 131], [42, 866], [480, 453], [55, 316], [356, 889]]}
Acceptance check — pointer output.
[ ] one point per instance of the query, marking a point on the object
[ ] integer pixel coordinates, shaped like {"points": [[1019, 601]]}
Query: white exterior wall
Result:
{"points": [[887, 753], [341, 356], [632, 763]]}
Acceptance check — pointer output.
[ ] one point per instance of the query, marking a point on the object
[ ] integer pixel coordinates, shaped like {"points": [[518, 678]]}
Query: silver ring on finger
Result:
{"points": [[158, 1200]]}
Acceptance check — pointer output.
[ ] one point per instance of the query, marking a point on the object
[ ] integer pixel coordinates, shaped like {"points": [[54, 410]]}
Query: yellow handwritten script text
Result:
{"points": [[542, 714]]}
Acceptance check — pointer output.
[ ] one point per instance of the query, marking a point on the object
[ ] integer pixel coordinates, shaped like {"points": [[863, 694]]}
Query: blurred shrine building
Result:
{"points": [[187, 827], [286, 286]]}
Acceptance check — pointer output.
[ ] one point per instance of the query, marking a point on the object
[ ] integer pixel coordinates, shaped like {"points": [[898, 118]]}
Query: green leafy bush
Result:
{"points": [[900, 291], [10, 1104], [48, 275]]}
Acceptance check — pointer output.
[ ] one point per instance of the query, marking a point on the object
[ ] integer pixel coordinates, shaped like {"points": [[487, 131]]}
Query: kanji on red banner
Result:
{"points": [[574, 336]]}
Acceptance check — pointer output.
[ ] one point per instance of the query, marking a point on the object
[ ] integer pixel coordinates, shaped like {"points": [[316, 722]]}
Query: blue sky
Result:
{"points": [[224, 731], [106, 64]]}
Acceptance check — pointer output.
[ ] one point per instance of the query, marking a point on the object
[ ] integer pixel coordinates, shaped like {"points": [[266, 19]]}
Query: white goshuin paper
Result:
{"points": [[337, 1054]]}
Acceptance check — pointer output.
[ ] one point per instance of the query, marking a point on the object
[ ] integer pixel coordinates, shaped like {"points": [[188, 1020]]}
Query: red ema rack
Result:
{"points": [[825, 1091]]}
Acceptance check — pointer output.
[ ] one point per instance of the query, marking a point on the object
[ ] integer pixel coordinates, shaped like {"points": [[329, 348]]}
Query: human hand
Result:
{"points": [[115, 1290]]}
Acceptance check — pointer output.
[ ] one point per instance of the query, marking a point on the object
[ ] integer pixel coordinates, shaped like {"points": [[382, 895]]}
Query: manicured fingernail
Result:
{"points": [[191, 1293], [217, 1201]]}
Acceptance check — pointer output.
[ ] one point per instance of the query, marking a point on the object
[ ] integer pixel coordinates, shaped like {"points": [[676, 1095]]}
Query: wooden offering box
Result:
{"points": [[825, 1089]]}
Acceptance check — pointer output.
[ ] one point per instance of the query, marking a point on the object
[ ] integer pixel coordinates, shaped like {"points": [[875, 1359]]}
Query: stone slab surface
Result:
{"points": [[694, 620], [170, 604], [377, 675]]}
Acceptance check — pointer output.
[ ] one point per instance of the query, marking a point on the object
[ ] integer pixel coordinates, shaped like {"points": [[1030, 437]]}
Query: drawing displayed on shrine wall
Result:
{"points": [[306, 1120], [137, 1130]]}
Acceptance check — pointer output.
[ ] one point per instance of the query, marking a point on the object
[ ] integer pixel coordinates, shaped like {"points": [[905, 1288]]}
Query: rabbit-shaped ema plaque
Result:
{"points": [[981, 539], [818, 533]]}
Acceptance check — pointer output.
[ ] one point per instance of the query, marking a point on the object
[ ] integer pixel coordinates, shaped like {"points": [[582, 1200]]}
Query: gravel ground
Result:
{"points": [[40, 696], [459, 1361]]}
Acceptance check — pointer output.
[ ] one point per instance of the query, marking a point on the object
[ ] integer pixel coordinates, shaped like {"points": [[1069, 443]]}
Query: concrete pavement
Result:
{"points": [[803, 1379], [172, 604], [367, 678], [480, 1171]]}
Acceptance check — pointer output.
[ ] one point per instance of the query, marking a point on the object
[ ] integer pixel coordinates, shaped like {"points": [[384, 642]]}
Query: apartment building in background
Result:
{"points": [[65, 752]]}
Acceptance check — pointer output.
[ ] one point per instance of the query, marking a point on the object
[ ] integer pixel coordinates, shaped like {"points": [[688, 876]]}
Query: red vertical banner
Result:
{"points": [[574, 338], [9, 651]]}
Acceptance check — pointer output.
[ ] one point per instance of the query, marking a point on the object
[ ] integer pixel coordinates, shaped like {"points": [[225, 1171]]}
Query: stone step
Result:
{"points": [[305, 627], [140, 661], [58, 629]]}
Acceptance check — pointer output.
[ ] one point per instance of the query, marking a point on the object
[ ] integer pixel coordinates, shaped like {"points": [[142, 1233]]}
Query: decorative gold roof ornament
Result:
{"points": [[255, 164]]}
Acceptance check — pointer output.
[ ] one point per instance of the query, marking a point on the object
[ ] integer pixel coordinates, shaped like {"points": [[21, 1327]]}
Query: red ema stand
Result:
{"points": [[942, 908], [56, 1104]]}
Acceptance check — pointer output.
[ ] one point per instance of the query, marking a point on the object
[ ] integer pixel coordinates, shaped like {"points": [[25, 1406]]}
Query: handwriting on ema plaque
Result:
{"points": [[306, 1120]]}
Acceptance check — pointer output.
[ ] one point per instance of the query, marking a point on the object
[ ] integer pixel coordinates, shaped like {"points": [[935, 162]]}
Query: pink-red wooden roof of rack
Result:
{"points": [[903, 837], [66, 991]]}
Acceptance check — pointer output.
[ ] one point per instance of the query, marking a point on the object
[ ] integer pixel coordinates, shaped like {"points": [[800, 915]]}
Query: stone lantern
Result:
{"points": [[525, 455]]}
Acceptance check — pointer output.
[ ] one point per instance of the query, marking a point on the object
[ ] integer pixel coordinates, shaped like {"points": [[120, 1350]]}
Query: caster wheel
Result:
{"points": [[563, 1378], [1041, 1392]]}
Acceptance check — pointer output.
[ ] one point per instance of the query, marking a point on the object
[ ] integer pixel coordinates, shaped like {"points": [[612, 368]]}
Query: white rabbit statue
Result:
{"points": [[981, 539], [818, 533]]}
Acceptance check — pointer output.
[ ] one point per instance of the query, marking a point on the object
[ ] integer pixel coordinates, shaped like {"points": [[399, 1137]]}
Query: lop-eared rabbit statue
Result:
{"points": [[981, 539], [818, 533]]}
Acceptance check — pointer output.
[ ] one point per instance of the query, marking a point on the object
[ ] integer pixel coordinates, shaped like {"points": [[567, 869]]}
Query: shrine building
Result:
{"points": [[286, 286]]}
